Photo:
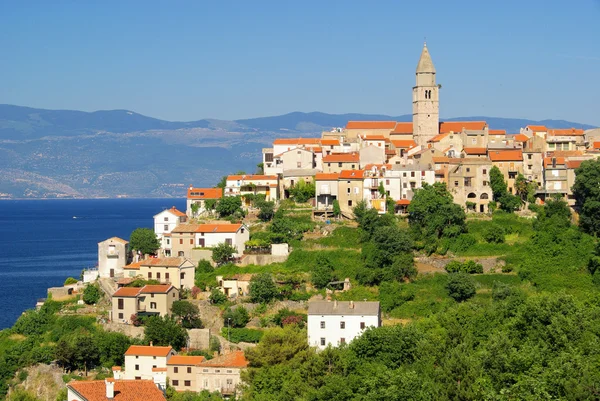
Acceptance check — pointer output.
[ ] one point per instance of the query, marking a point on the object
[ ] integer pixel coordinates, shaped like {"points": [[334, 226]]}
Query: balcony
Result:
{"points": [[228, 390]]}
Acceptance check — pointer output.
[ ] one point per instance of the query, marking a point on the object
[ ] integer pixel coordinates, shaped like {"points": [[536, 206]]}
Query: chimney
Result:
{"points": [[116, 372], [554, 162], [151, 343], [110, 388], [351, 304]]}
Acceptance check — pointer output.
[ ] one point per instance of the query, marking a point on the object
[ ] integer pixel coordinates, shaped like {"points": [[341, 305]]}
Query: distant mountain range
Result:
{"points": [[65, 153]]}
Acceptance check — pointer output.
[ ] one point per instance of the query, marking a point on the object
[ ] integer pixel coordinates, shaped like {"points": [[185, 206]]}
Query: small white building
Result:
{"points": [[211, 235], [140, 360], [167, 220], [339, 322], [241, 185], [200, 196], [112, 256]]}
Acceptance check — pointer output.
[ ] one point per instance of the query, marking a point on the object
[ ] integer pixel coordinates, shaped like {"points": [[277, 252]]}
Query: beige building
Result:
{"points": [[149, 300], [222, 373], [355, 128], [253, 184], [350, 190], [112, 257], [510, 163], [182, 372], [371, 154], [469, 181], [234, 286], [177, 271], [186, 237], [140, 360], [533, 154], [426, 105], [199, 196], [326, 190], [336, 162]]}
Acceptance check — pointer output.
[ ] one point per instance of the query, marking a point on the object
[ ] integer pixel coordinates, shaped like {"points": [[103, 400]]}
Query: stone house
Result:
{"points": [[177, 271], [167, 220], [222, 373], [240, 185], [186, 237], [468, 181], [510, 163], [148, 300], [326, 190], [140, 360], [336, 162], [113, 255], [199, 196], [234, 286], [112, 389], [350, 189], [182, 372]]}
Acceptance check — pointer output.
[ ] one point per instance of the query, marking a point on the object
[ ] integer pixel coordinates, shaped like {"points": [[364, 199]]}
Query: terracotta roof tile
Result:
{"points": [[497, 132], [352, 174], [330, 142], [218, 228], [439, 137], [521, 138], [403, 202], [404, 143], [235, 359], [326, 176], [127, 292], [135, 266], [565, 132], [375, 138], [156, 289], [125, 390], [341, 158], [251, 177], [379, 166], [573, 164], [174, 261], [458, 126], [440, 159], [597, 145], [506, 155], [537, 128], [176, 212], [117, 239], [403, 128], [371, 125], [148, 350], [560, 161], [185, 360], [159, 369], [205, 193], [567, 153], [475, 151]]}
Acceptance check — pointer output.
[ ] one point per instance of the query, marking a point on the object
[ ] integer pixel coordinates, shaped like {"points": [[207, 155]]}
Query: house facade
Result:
{"points": [[222, 373], [150, 300], [112, 257], [167, 220], [240, 185], [199, 197], [182, 372], [140, 360], [339, 322], [177, 271], [326, 190]]}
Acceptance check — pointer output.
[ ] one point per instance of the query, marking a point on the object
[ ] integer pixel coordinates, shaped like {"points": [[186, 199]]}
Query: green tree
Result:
{"points": [[204, 266], [70, 280], [260, 168], [217, 297], [266, 210], [337, 211], [230, 206], [91, 294], [322, 273], [223, 253], [20, 394], [277, 346], [262, 288], [144, 240], [238, 317], [195, 208], [460, 286], [165, 331], [432, 214], [497, 183], [302, 191], [111, 348], [509, 203], [494, 234], [522, 187], [386, 244], [187, 313]]}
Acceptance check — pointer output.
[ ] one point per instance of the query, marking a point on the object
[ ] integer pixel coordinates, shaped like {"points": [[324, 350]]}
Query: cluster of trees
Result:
{"points": [[587, 195], [508, 202], [144, 240], [302, 191]]}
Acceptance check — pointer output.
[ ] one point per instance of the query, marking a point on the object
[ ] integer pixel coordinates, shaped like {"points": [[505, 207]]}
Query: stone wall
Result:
{"points": [[261, 260], [488, 263], [127, 329], [199, 338]]}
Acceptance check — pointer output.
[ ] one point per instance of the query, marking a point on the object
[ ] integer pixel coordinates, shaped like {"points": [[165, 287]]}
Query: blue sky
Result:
{"points": [[187, 60]]}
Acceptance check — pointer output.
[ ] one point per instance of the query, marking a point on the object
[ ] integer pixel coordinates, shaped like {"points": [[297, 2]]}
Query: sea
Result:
{"points": [[42, 242]]}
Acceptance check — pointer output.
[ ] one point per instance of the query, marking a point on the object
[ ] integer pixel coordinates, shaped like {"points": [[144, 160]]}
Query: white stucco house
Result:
{"points": [[142, 361], [339, 322], [112, 256], [210, 235], [167, 220]]}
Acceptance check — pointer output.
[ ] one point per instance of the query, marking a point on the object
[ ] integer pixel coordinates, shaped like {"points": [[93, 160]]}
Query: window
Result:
{"points": [[322, 324], [120, 316], [191, 241], [176, 369], [154, 366], [412, 173], [299, 152], [205, 383], [158, 276], [349, 203], [484, 171], [323, 341], [403, 174], [149, 274], [180, 253], [166, 227], [228, 241], [356, 190], [137, 367], [166, 219], [189, 369], [342, 340], [168, 241], [298, 164], [529, 156], [468, 170], [229, 382], [422, 174], [205, 370], [187, 383], [176, 382], [342, 325], [387, 182], [217, 370], [404, 185], [120, 304], [138, 378], [530, 166], [455, 183], [353, 167], [339, 164], [167, 276], [152, 305], [362, 325], [181, 241], [349, 190], [230, 371], [474, 141]]}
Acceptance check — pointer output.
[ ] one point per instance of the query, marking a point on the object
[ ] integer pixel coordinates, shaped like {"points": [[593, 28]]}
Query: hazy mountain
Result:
{"points": [[64, 153]]}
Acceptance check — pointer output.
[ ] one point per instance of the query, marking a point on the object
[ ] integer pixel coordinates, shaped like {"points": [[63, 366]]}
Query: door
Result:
{"points": [[112, 273], [201, 242]]}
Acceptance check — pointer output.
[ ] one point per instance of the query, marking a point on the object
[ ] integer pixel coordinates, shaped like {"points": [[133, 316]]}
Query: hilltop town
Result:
{"points": [[369, 263]]}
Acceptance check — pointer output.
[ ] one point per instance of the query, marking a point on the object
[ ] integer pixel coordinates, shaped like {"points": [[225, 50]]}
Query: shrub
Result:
{"points": [[238, 317], [461, 243], [469, 266], [217, 297], [195, 292], [262, 288], [204, 266], [286, 316], [242, 335], [460, 286], [454, 267], [394, 294], [91, 294], [501, 291], [494, 234], [70, 280]]}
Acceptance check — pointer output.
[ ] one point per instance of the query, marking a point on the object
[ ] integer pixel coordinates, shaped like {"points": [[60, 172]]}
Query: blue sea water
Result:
{"points": [[41, 243]]}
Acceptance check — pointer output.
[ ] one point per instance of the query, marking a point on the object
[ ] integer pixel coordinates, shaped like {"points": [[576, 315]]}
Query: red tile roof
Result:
{"points": [[573, 164], [326, 176], [521, 138], [185, 360], [374, 138], [205, 193], [235, 359], [176, 212], [172, 261], [218, 228], [127, 292], [404, 143], [496, 131], [125, 390], [159, 369], [117, 239], [403, 202], [475, 151], [440, 159], [156, 289], [506, 155], [296, 141], [438, 137], [330, 142], [371, 125], [559, 161], [251, 177], [135, 266], [403, 128], [341, 158], [565, 132], [352, 174], [458, 126], [148, 350], [537, 128], [596, 145]]}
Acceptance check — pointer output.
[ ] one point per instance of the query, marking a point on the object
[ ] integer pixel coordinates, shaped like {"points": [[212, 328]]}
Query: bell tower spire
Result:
{"points": [[426, 111]]}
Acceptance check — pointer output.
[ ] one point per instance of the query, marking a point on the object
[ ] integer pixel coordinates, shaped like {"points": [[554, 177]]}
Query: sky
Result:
{"points": [[188, 60]]}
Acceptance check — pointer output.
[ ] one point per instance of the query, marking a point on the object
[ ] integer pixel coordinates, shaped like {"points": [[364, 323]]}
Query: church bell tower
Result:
{"points": [[426, 107]]}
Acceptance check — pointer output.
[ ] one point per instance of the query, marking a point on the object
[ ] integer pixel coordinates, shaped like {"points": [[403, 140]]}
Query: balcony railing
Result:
{"points": [[228, 390]]}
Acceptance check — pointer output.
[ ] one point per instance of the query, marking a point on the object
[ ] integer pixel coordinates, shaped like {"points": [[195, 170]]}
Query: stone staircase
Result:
{"points": [[107, 285]]}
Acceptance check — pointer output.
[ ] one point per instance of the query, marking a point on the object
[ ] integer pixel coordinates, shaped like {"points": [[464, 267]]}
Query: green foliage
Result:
{"points": [[62, 394], [394, 294], [494, 234], [286, 317], [302, 191], [214, 345], [587, 195], [260, 168], [497, 183], [460, 286], [509, 203], [140, 282], [237, 335], [238, 317], [91, 294], [195, 207], [337, 211], [277, 346], [469, 267], [21, 395], [77, 351], [223, 253], [230, 206], [204, 395], [217, 297], [266, 210], [165, 331], [522, 187], [187, 313], [204, 266], [284, 229], [322, 273], [262, 288], [144, 240], [70, 280]]}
